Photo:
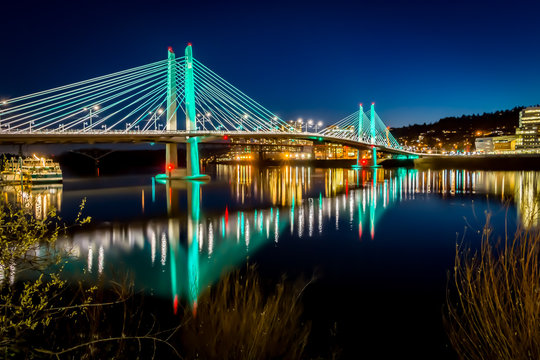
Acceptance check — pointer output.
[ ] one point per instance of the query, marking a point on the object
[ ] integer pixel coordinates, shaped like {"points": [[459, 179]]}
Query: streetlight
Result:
{"points": [[84, 125], [128, 126], [309, 122], [155, 116], [274, 122], [31, 122], [318, 125], [90, 115], [205, 118], [104, 127], [243, 117]]}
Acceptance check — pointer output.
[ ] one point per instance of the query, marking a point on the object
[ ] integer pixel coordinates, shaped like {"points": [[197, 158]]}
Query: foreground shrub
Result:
{"points": [[236, 319], [495, 312]]}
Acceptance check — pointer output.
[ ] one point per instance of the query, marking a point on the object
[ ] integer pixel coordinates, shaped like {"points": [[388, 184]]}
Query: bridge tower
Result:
{"points": [[192, 170], [171, 150], [192, 148], [360, 125], [373, 139], [359, 133]]}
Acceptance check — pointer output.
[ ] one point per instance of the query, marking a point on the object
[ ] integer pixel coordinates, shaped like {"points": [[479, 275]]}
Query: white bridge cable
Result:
{"points": [[106, 105], [146, 92], [345, 128], [241, 117], [91, 100], [241, 113], [127, 72], [217, 113], [97, 114], [99, 98], [155, 113], [230, 88], [246, 114], [153, 92], [86, 89]]}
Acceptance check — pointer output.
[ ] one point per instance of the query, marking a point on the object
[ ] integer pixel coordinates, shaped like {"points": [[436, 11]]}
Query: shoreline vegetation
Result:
{"points": [[42, 315], [493, 300], [492, 309]]}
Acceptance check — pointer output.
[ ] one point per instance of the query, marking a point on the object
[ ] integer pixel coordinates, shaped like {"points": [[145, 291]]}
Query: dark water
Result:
{"points": [[380, 242]]}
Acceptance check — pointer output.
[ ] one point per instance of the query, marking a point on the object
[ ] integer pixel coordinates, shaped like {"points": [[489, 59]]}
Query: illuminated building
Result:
{"points": [[529, 130], [484, 144], [496, 144]]}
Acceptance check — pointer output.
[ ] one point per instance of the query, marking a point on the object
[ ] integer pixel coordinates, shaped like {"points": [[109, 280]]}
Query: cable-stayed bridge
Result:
{"points": [[142, 104]]}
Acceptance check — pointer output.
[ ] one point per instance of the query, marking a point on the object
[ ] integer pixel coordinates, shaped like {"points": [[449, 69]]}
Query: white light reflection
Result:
{"points": [[310, 216], [153, 246], [90, 258], [337, 214], [210, 240], [276, 227], [163, 249], [101, 259]]}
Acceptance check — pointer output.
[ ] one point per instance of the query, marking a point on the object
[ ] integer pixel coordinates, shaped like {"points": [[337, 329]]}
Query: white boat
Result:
{"points": [[33, 169]]}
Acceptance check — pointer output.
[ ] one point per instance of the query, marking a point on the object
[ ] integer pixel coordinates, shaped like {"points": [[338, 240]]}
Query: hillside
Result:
{"points": [[458, 133]]}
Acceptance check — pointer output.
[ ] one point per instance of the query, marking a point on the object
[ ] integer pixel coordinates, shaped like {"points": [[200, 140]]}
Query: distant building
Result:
{"points": [[528, 131], [490, 144], [504, 143], [484, 144]]}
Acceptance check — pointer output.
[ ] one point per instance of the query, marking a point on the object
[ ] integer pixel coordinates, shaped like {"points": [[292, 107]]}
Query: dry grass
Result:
{"points": [[495, 312], [237, 320]]}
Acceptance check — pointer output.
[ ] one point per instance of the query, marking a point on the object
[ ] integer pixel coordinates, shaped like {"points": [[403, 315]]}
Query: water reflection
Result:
{"points": [[182, 254], [38, 199]]}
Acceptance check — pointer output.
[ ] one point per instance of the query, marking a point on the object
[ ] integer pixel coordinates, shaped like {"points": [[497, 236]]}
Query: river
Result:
{"points": [[380, 243]]}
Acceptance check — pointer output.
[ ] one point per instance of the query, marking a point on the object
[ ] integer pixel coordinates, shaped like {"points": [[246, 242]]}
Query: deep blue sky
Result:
{"points": [[418, 60]]}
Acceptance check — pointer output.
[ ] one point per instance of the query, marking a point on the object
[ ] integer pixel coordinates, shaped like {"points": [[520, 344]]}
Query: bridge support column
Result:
{"points": [[171, 150], [373, 137], [192, 147], [359, 133]]}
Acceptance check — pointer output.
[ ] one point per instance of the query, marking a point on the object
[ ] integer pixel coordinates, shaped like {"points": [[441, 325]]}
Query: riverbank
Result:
{"points": [[88, 161], [486, 162]]}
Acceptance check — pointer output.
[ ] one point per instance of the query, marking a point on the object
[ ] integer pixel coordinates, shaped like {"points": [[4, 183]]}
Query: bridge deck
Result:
{"points": [[179, 136]]}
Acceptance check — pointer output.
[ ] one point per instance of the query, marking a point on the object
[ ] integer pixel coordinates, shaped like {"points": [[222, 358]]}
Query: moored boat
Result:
{"points": [[31, 170]]}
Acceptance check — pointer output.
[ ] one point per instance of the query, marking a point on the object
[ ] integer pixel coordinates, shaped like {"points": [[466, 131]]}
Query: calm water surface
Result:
{"points": [[380, 242]]}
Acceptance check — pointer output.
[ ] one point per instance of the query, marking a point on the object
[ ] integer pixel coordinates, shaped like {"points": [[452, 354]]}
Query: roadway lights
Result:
{"points": [[96, 107], [208, 114], [154, 117]]}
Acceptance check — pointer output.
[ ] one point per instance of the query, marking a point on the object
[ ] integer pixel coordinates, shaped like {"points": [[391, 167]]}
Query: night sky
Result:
{"points": [[418, 60]]}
